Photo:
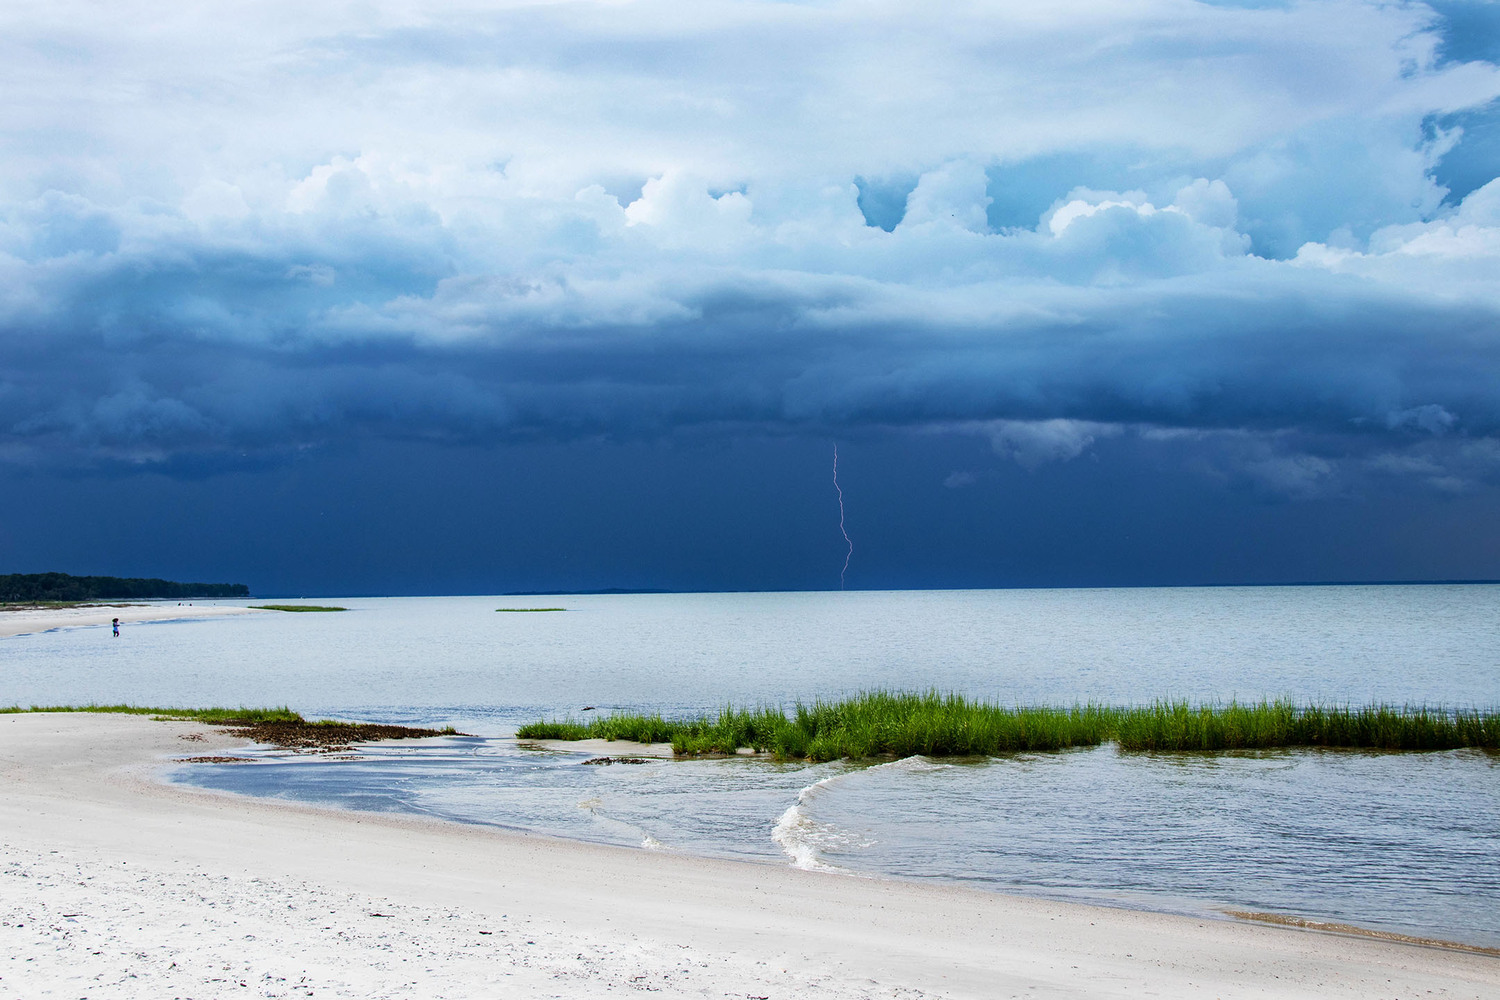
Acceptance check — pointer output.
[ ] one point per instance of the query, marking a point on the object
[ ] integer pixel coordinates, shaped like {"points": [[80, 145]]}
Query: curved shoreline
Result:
{"points": [[1355, 921], [151, 876]]}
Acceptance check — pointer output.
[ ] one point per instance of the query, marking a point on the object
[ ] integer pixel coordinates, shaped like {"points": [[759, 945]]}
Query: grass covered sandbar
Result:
{"points": [[888, 724], [296, 607]]}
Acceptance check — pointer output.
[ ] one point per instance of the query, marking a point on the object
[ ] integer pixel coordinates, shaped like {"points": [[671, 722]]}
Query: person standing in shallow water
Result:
{"points": [[116, 624]]}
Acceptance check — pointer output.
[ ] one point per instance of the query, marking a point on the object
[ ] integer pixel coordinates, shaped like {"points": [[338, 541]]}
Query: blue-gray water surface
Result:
{"points": [[1403, 842]]}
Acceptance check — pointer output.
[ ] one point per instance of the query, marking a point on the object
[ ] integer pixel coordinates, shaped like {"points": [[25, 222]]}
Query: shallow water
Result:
{"points": [[1401, 842], [694, 651]]}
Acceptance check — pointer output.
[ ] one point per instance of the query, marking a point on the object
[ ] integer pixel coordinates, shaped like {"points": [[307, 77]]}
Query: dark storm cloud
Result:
{"points": [[541, 225], [1248, 344]]}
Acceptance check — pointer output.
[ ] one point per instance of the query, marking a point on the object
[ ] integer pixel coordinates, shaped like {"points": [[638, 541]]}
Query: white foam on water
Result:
{"points": [[618, 829], [804, 839], [915, 764]]}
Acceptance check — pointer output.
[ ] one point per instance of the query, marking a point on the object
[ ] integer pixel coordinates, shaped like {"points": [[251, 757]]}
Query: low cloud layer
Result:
{"points": [[1047, 223]]}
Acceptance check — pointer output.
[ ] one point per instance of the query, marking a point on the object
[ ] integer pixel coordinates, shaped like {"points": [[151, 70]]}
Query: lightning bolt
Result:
{"points": [[842, 530]]}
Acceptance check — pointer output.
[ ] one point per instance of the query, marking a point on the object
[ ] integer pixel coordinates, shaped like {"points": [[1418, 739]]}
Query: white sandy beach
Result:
{"points": [[26, 621], [113, 884]]}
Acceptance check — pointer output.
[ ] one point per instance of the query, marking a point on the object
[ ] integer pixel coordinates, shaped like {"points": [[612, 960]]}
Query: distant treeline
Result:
{"points": [[64, 587]]}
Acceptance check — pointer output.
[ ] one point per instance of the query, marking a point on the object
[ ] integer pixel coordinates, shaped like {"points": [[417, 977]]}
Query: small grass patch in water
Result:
{"points": [[893, 724], [296, 607], [527, 610]]}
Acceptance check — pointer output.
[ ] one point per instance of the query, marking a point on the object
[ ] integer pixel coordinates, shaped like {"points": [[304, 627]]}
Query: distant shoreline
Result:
{"points": [[32, 620]]}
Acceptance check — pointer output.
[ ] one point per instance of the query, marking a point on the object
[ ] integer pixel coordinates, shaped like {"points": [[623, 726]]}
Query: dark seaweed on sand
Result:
{"points": [[279, 727]]}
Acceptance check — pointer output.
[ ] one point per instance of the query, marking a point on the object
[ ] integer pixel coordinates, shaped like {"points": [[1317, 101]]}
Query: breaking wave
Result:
{"points": [[806, 840]]}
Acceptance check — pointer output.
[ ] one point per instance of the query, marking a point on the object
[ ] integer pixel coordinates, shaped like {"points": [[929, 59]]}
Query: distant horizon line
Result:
{"points": [[633, 591]]}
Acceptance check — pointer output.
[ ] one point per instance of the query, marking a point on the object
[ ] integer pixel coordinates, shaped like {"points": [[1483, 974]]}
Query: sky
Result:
{"points": [[385, 297]]}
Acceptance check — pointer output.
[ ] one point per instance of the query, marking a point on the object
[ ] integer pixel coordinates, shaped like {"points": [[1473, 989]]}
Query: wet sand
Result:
{"points": [[114, 884]]}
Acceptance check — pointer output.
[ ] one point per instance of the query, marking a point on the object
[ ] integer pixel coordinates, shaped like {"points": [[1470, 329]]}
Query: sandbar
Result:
{"points": [[114, 883], [25, 621]]}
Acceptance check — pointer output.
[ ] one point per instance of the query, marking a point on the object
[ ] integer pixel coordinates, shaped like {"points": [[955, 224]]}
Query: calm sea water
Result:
{"points": [[1401, 842]]}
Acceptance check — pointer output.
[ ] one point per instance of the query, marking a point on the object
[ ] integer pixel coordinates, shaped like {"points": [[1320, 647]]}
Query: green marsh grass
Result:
{"points": [[1180, 726], [893, 724], [526, 610], [296, 607], [870, 725]]}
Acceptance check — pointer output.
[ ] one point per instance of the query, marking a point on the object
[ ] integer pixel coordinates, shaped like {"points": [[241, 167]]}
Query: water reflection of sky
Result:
{"points": [[436, 658]]}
